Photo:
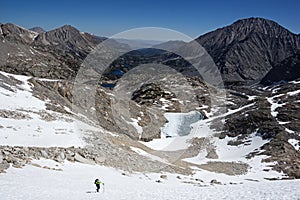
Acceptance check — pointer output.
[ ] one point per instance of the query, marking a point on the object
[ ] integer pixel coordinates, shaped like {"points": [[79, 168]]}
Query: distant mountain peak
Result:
{"points": [[14, 32], [247, 49], [62, 33], [255, 20], [257, 24], [37, 29], [68, 27]]}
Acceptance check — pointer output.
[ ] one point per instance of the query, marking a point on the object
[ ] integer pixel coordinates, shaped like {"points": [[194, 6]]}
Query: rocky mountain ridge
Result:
{"points": [[62, 50]]}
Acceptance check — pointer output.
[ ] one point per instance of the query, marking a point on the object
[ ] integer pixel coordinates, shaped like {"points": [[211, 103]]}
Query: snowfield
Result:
{"points": [[75, 181], [31, 129]]}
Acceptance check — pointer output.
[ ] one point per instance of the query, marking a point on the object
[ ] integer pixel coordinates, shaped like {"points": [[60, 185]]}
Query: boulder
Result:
{"points": [[36, 165], [81, 159], [62, 155], [164, 176], [3, 166], [100, 159], [214, 181], [44, 154]]}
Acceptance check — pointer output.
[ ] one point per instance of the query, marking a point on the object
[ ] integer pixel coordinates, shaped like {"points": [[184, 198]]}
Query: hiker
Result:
{"points": [[97, 183]]}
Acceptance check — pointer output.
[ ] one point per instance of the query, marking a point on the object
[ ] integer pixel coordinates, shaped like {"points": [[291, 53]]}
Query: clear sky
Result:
{"points": [[105, 18]]}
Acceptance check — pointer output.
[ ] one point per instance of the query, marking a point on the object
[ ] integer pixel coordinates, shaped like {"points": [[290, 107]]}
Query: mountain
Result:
{"points": [[244, 51], [37, 29], [136, 44], [170, 45], [249, 48], [62, 50], [69, 40]]}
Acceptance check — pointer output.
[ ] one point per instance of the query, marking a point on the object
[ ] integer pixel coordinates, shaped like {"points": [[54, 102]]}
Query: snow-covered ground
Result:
{"points": [[33, 130], [75, 181]]}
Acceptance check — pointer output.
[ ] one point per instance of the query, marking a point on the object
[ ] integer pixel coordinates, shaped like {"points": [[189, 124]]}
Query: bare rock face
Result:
{"points": [[249, 48], [17, 34]]}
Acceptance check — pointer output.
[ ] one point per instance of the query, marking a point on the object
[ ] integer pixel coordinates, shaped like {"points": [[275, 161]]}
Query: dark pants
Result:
{"points": [[98, 187]]}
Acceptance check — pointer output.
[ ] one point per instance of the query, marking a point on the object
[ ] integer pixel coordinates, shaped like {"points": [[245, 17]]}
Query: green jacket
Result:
{"points": [[98, 182]]}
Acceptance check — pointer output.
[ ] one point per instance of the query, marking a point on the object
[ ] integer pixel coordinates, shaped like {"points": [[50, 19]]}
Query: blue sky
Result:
{"points": [[106, 17]]}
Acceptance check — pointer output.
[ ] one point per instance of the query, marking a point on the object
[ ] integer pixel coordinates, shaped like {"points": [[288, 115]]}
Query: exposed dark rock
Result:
{"points": [[286, 70], [150, 94], [214, 181], [284, 154], [257, 120]]}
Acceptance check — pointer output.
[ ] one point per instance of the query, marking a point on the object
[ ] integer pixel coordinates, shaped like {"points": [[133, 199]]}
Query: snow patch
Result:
{"points": [[169, 144], [295, 143], [250, 98], [294, 93], [295, 82], [135, 124], [289, 130], [274, 105]]}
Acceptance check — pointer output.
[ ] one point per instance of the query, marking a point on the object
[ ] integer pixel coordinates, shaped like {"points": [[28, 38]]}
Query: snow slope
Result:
{"points": [[33, 129], [75, 181]]}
